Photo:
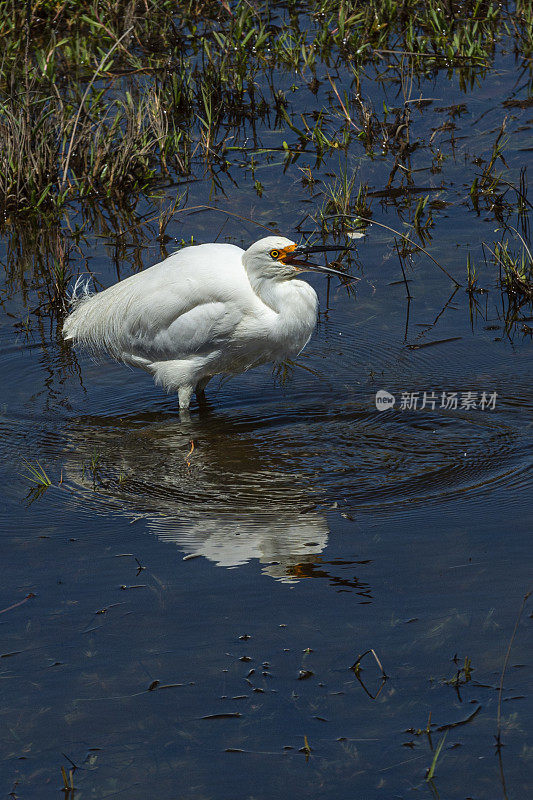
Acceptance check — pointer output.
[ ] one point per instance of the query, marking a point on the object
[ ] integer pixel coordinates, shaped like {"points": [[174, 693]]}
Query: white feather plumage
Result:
{"points": [[205, 310]]}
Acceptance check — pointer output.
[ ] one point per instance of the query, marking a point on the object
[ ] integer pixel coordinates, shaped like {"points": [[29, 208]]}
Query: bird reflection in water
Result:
{"points": [[230, 500]]}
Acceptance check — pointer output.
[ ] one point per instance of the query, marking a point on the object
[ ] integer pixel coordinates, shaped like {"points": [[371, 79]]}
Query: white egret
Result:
{"points": [[205, 310]]}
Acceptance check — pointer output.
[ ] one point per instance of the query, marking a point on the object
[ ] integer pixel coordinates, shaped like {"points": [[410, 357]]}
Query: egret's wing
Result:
{"points": [[197, 330], [190, 302]]}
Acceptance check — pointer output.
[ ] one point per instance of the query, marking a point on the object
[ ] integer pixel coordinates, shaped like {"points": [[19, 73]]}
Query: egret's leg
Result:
{"points": [[184, 396], [200, 387]]}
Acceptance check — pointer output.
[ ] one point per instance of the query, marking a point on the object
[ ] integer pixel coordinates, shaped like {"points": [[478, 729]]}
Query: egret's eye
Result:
{"points": [[274, 253]]}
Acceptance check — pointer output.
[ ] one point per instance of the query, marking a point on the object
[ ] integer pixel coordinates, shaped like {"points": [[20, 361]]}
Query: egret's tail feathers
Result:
{"points": [[80, 292], [96, 320], [74, 328]]}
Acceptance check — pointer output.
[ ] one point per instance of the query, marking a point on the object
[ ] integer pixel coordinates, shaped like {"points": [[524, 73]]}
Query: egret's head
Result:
{"points": [[266, 258], [278, 258]]}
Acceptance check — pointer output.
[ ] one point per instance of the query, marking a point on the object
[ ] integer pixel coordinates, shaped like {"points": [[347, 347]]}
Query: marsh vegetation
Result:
{"points": [[109, 106]]}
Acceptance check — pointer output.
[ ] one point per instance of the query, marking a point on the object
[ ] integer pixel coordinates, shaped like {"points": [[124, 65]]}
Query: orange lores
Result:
{"points": [[285, 252]]}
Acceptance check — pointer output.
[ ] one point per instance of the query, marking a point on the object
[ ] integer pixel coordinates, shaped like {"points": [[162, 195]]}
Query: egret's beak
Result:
{"points": [[296, 258]]}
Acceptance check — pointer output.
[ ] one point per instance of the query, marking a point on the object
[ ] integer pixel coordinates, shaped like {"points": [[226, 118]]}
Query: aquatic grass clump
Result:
{"points": [[36, 474], [514, 276], [516, 271], [29, 153], [38, 479], [110, 149], [344, 201]]}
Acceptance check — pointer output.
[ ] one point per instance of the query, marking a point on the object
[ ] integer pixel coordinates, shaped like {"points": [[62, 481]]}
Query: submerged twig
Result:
{"points": [[504, 669], [356, 668], [498, 736], [202, 207], [20, 602]]}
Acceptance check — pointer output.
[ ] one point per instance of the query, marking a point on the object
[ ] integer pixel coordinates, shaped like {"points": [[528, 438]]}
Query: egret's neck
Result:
{"points": [[295, 306], [295, 302], [285, 297], [272, 293]]}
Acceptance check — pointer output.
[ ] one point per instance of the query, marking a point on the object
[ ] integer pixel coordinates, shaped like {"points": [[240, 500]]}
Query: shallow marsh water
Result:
{"points": [[244, 559]]}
